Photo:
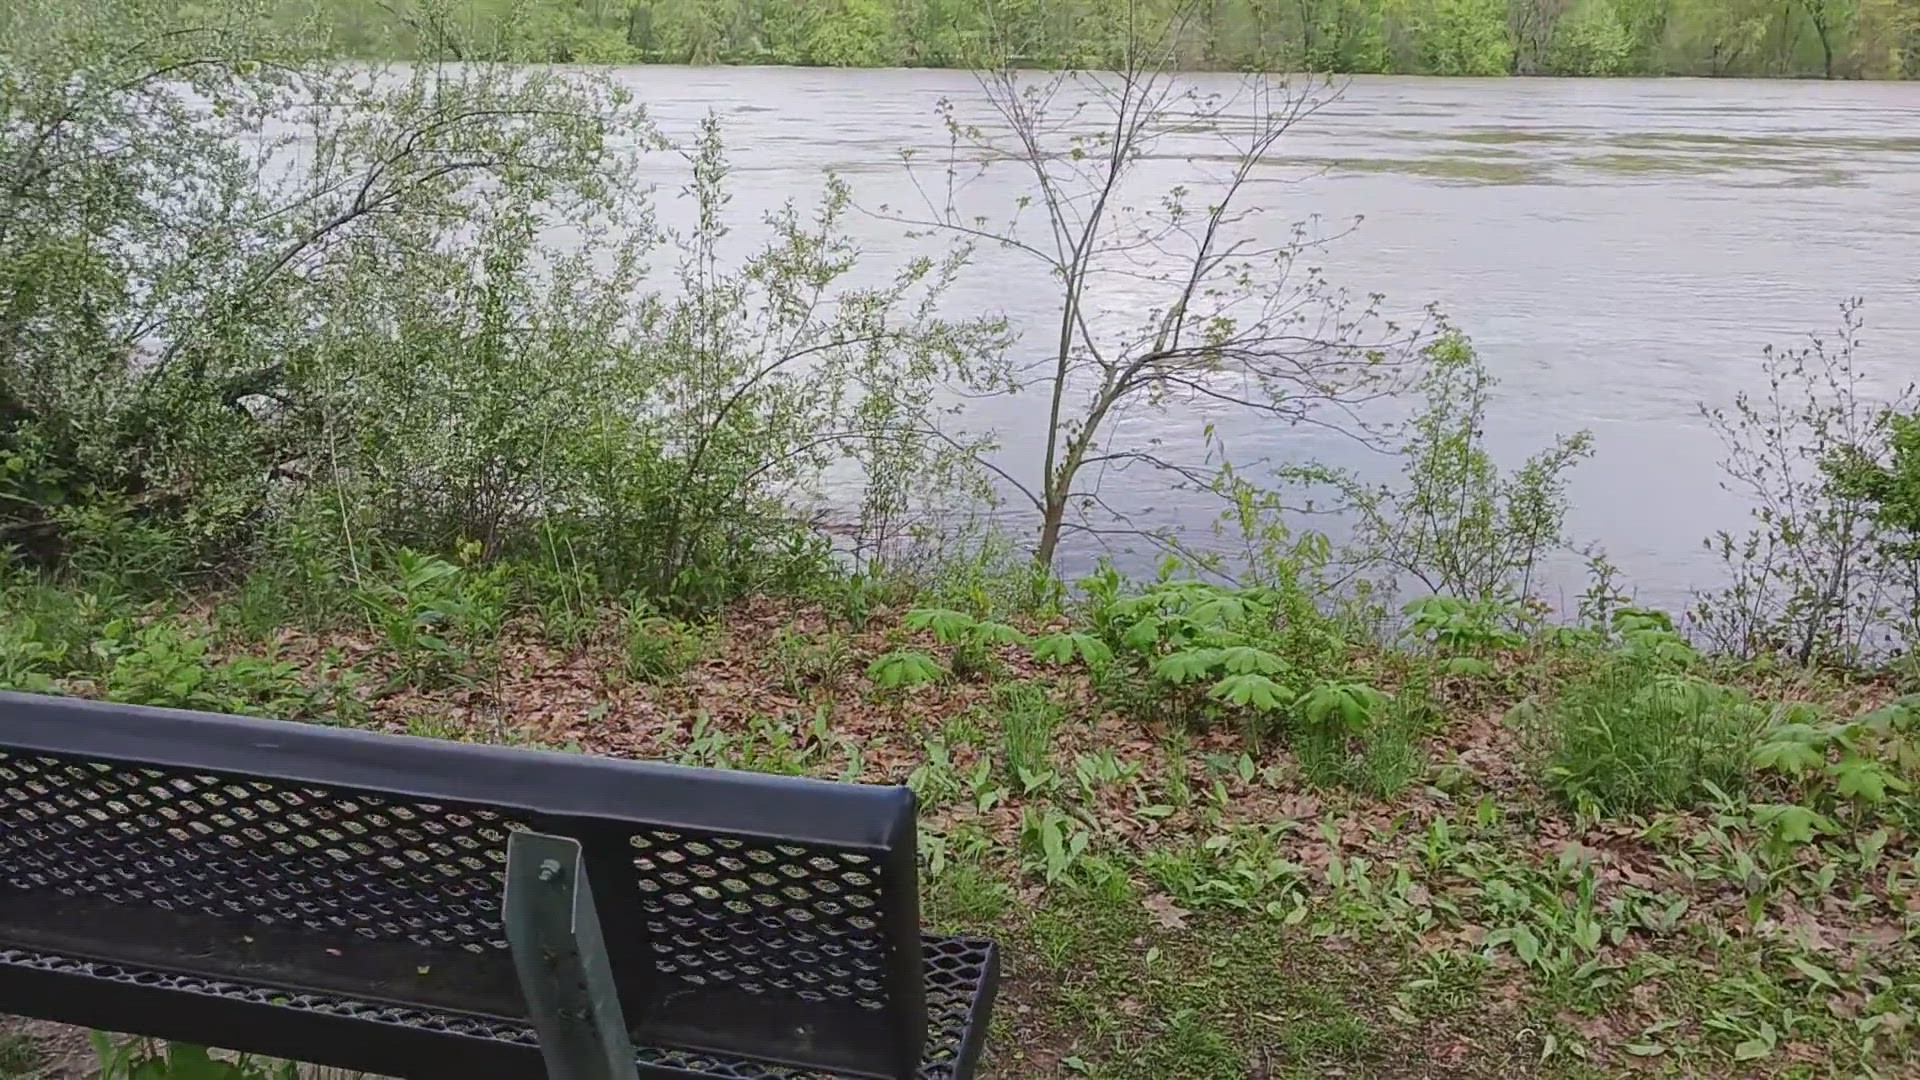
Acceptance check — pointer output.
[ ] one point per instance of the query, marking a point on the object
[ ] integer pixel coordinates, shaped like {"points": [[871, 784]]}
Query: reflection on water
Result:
{"points": [[1618, 249]]}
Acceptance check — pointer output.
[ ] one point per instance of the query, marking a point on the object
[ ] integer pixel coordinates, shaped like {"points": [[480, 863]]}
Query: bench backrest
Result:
{"points": [[764, 916]]}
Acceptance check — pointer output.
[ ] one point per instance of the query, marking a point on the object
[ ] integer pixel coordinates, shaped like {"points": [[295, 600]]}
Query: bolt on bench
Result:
{"points": [[432, 909]]}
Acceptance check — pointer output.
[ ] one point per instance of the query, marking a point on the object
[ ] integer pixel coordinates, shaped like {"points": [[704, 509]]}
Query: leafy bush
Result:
{"points": [[1865, 760], [1825, 574], [172, 663], [1454, 523], [214, 353], [1265, 657], [28, 661], [1887, 478], [1591, 41]]}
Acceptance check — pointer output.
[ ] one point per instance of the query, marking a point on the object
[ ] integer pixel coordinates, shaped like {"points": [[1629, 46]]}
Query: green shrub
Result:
{"points": [[436, 617], [1864, 762], [172, 664]]}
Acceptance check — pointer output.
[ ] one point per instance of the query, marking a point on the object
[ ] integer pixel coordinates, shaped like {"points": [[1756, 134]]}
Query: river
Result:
{"points": [[1619, 251]]}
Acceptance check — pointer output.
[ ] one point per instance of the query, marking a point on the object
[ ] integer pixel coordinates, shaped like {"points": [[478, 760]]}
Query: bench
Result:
{"points": [[419, 908]]}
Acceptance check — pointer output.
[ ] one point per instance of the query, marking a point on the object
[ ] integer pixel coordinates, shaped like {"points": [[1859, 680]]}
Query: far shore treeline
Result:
{"points": [[1839, 39]]}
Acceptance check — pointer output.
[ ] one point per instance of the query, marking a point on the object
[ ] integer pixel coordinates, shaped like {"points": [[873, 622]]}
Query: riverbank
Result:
{"points": [[1433, 868], [1864, 39]]}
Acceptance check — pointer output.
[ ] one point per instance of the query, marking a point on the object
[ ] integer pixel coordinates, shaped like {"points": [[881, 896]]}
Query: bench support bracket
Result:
{"points": [[560, 957]]}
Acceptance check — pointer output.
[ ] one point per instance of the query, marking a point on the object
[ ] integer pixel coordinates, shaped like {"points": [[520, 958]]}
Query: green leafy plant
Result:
{"points": [[1052, 844], [419, 612], [27, 661], [660, 650], [142, 1059], [1864, 761], [904, 669], [1466, 635], [1251, 691], [1455, 524], [1065, 648], [1824, 571], [973, 640], [1342, 707]]}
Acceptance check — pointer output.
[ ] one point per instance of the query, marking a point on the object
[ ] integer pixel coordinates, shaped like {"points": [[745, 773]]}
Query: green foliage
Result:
{"points": [[1052, 844], [1591, 41], [216, 357], [660, 650], [1884, 474], [1465, 37], [904, 669], [1028, 716], [1465, 627], [435, 616], [1454, 523], [142, 1059], [973, 640], [1826, 573], [1641, 733], [29, 662], [1064, 648], [1343, 707], [1866, 38], [1250, 691], [1864, 761]]}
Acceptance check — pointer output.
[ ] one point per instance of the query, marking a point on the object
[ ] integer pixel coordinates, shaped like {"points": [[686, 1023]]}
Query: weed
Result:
{"points": [[1637, 736], [27, 661], [804, 662], [434, 615], [1052, 844], [935, 780], [659, 650], [19, 1055], [1028, 716], [143, 1059], [1241, 869]]}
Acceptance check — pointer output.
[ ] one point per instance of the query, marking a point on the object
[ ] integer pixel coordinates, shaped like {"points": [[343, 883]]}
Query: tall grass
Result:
{"points": [[1636, 736]]}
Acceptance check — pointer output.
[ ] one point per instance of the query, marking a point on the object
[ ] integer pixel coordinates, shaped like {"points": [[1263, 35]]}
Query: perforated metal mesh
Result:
{"points": [[277, 855], [323, 900], [780, 919], [958, 990]]}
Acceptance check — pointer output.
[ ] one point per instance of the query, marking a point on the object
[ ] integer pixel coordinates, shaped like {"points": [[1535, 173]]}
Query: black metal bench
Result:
{"points": [[336, 897]]}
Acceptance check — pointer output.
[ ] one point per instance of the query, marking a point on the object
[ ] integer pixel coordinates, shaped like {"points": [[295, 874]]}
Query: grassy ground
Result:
{"points": [[1181, 901]]}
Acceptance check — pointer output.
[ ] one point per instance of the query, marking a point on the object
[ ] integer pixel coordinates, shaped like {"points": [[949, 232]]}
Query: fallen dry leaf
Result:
{"points": [[1166, 914]]}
